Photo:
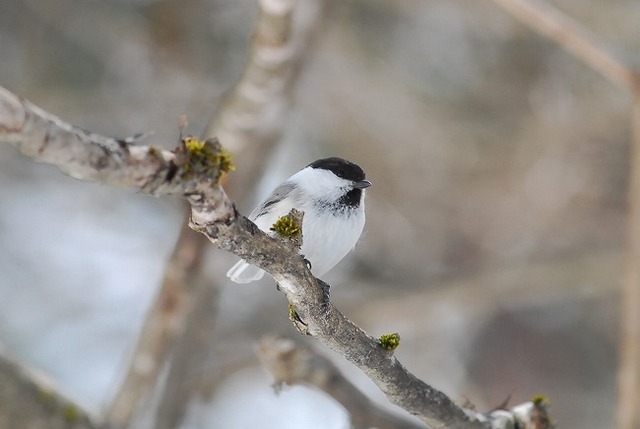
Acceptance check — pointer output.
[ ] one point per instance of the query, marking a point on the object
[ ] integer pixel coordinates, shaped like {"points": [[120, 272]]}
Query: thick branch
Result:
{"points": [[81, 154], [193, 172]]}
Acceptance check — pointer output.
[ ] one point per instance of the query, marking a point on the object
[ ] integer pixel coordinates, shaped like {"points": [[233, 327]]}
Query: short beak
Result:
{"points": [[362, 184]]}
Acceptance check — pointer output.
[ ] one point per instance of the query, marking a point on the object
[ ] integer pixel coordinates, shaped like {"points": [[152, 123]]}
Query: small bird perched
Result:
{"points": [[330, 192]]}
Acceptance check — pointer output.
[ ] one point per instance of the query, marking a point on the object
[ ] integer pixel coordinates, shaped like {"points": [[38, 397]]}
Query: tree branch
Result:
{"points": [[290, 363], [192, 171], [164, 324], [573, 37], [628, 414], [29, 400]]}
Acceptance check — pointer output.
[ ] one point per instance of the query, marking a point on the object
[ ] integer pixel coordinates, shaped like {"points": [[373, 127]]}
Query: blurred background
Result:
{"points": [[495, 224]]}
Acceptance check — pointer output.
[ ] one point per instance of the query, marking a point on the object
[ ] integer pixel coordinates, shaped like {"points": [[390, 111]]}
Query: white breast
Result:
{"points": [[326, 238]]}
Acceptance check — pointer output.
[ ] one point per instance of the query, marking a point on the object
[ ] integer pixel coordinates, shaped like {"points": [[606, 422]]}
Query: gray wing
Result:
{"points": [[268, 213], [276, 196]]}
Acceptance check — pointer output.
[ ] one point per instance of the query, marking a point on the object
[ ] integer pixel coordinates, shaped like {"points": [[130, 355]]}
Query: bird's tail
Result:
{"points": [[242, 272]]}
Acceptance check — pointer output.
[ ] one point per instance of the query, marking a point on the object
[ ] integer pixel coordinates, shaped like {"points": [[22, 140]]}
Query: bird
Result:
{"points": [[330, 192]]}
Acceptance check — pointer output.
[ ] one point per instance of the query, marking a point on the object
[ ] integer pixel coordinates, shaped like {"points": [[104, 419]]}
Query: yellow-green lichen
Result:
{"points": [[540, 414], [390, 341], [205, 157], [46, 396], [194, 145], [539, 400], [287, 227], [51, 401], [154, 151], [292, 313], [70, 413]]}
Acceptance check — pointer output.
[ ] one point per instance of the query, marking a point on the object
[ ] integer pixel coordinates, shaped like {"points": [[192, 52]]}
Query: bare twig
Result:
{"points": [[193, 172], [190, 352], [251, 118], [573, 37], [165, 322], [257, 105], [290, 363], [30, 400], [628, 412]]}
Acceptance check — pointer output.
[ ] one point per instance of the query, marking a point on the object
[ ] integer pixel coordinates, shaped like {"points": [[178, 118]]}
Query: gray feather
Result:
{"points": [[276, 196]]}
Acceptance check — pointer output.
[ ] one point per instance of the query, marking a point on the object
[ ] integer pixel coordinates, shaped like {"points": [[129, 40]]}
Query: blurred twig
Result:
{"points": [[246, 112], [29, 400], [290, 363], [628, 412], [577, 40], [190, 351], [165, 322], [251, 117], [572, 36]]}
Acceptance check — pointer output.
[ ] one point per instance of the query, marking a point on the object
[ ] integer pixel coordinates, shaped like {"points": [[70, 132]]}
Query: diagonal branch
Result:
{"points": [[163, 325], [30, 400], [573, 37], [192, 171], [290, 363]]}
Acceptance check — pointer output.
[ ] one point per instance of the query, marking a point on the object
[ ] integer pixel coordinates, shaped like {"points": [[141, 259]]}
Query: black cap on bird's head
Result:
{"points": [[344, 169]]}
